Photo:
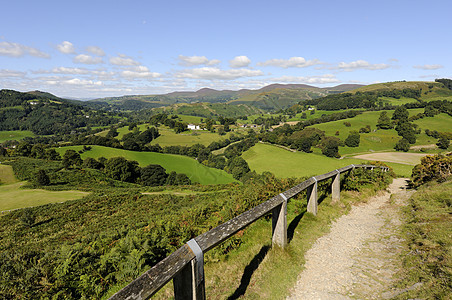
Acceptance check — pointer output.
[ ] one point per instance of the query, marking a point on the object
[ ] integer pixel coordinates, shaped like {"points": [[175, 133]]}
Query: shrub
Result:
{"points": [[437, 167], [353, 139], [42, 178]]}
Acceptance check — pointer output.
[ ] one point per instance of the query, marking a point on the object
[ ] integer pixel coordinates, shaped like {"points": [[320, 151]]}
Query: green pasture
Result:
{"points": [[188, 138], [394, 101], [14, 135], [441, 123], [284, 163], [178, 163], [13, 196], [316, 114], [381, 140]]}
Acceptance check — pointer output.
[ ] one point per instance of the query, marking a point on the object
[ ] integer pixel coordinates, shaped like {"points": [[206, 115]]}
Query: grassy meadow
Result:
{"points": [[13, 196], [284, 163], [178, 163], [14, 135]]}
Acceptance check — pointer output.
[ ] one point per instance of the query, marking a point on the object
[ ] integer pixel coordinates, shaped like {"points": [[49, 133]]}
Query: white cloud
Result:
{"points": [[18, 50], [360, 64], [83, 82], [123, 60], [11, 73], [87, 59], [190, 61], [66, 47], [139, 72], [95, 50], [429, 67], [293, 62], [212, 73], [327, 78], [239, 62]]}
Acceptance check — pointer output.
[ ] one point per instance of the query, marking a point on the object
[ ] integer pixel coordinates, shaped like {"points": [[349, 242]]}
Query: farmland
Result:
{"points": [[180, 164]]}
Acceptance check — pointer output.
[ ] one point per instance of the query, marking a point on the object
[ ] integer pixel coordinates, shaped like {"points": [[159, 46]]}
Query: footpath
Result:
{"points": [[360, 256]]}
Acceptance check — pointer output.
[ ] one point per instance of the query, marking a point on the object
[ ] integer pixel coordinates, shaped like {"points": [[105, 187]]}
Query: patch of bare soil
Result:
{"points": [[396, 157], [360, 256]]}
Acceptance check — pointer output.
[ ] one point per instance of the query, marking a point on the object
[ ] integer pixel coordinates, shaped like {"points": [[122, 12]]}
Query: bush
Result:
{"points": [[402, 145], [437, 167], [42, 178], [153, 175], [353, 139]]}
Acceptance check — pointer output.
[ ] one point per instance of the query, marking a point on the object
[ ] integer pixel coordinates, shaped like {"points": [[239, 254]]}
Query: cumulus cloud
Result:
{"points": [[123, 60], [11, 73], [326, 78], [360, 64], [95, 50], [139, 72], [87, 59], [66, 47], [239, 62], [293, 62], [212, 73], [18, 50], [429, 67], [83, 82], [190, 61]]}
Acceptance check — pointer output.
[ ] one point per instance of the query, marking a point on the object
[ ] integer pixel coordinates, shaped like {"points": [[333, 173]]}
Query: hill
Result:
{"points": [[181, 164], [44, 113], [271, 97]]}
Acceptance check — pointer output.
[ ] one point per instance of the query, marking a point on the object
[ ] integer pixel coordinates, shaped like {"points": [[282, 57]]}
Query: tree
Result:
{"points": [[182, 179], [353, 139], [384, 122], [330, 146], [119, 168], [402, 145], [154, 175], [91, 163], [401, 114], [238, 167], [71, 158], [443, 142], [406, 130], [51, 154], [42, 178]]}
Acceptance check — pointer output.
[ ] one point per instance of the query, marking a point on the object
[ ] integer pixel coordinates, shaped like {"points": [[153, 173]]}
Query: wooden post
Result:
{"points": [[312, 198], [336, 188], [189, 282], [279, 224]]}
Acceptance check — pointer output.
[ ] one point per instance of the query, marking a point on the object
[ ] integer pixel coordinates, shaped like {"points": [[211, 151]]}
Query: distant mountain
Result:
{"points": [[274, 96]]}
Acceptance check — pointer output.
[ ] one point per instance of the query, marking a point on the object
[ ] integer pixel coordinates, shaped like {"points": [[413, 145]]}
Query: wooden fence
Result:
{"points": [[186, 265]]}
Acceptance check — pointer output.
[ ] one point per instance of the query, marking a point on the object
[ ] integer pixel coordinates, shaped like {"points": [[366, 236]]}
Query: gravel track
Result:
{"points": [[358, 258]]}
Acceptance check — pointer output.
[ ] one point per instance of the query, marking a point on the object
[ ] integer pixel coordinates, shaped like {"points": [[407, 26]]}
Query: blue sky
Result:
{"points": [[90, 49]]}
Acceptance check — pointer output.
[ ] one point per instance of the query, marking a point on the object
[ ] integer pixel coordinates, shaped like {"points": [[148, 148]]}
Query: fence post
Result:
{"points": [[312, 197], [189, 283], [336, 188], [279, 224]]}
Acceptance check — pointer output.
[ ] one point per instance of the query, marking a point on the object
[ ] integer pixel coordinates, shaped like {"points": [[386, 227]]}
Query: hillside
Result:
{"points": [[271, 97], [45, 114]]}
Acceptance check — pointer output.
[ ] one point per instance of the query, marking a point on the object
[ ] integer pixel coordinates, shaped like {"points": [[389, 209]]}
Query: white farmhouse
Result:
{"points": [[193, 127]]}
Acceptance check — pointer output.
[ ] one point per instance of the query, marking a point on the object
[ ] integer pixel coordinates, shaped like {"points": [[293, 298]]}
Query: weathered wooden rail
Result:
{"points": [[186, 265]]}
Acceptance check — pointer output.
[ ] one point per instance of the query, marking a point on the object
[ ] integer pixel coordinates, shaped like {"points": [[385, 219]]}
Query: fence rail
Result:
{"points": [[186, 265]]}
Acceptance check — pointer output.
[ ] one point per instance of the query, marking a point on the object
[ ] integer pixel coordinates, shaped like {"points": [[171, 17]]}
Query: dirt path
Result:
{"points": [[359, 257]]}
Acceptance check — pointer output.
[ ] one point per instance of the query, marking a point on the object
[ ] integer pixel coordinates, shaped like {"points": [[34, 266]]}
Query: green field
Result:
{"points": [[12, 196], [14, 135], [394, 101], [284, 164], [178, 163], [189, 138], [382, 140]]}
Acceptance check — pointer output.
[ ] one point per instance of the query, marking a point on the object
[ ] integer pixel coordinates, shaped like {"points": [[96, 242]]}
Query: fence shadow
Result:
{"points": [[293, 225], [248, 272]]}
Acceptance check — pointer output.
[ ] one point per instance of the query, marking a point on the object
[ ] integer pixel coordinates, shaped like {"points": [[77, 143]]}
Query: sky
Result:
{"points": [[91, 49]]}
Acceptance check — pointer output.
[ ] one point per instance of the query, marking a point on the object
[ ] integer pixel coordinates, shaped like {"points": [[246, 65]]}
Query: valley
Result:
{"points": [[94, 193]]}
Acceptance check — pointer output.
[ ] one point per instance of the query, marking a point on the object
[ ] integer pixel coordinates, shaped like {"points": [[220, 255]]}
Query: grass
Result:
{"points": [[189, 138], [12, 196], [394, 101], [256, 270], [7, 175], [14, 135], [441, 123], [428, 232], [178, 163], [284, 164]]}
